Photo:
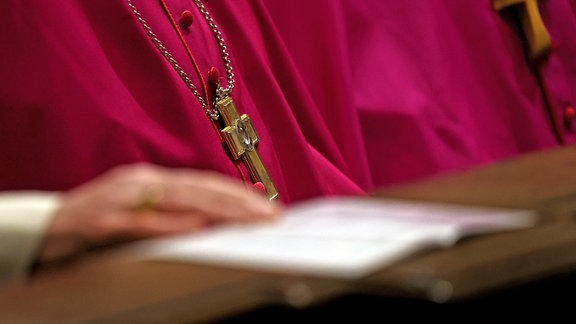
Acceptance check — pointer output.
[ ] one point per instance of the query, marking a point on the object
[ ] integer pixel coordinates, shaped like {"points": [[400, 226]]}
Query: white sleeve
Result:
{"points": [[24, 216]]}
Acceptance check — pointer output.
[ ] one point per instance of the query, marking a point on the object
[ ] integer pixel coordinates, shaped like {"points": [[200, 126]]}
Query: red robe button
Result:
{"points": [[569, 114], [186, 19], [214, 76]]}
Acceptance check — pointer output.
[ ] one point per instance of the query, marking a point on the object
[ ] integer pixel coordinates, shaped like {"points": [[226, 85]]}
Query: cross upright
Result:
{"points": [[241, 139], [537, 37]]}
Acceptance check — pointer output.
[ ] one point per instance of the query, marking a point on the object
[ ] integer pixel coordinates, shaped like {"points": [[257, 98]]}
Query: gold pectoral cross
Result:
{"points": [[537, 36], [241, 139]]}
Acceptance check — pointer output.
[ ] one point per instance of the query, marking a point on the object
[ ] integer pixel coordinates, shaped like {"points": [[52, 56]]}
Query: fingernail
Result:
{"points": [[266, 208]]}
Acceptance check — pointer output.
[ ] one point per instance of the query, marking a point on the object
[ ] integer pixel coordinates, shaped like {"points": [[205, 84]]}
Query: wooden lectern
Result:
{"points": [[104, 289]]}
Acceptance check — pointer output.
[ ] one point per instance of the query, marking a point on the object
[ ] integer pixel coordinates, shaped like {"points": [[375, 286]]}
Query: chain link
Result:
{"points": [[221, 92]]}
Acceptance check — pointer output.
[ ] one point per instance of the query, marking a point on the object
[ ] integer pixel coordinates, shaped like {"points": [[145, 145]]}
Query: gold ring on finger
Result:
{"points": [[151, 196]]}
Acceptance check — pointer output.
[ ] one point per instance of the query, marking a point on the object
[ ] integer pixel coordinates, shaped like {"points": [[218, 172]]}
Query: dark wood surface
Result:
{"points": [[106, 289], [545, 182]]}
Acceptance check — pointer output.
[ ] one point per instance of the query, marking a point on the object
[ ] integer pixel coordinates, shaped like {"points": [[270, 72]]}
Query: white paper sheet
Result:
{"points": [[336, 237]]}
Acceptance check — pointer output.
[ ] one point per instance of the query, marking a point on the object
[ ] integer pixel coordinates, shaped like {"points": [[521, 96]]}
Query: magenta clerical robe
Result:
{"points": [[438, 85], [83, 88]]}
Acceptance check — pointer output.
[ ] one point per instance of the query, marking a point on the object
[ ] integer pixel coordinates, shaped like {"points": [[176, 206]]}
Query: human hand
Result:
{"points": [[140, 201]]}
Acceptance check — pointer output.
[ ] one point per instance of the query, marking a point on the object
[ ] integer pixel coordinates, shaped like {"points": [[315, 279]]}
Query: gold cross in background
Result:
{"points": [[241, 139], [537, 37]]}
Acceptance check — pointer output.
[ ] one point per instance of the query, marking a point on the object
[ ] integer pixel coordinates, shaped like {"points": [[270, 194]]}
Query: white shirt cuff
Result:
{"points": [[24, 216]]}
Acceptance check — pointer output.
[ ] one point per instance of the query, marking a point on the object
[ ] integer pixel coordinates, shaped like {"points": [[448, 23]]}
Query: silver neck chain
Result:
{"points": [[221, 92]]}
